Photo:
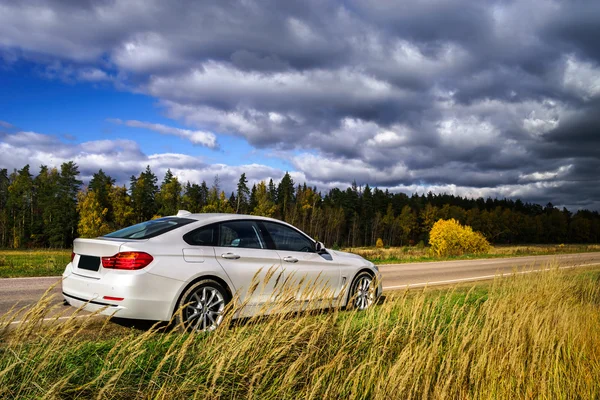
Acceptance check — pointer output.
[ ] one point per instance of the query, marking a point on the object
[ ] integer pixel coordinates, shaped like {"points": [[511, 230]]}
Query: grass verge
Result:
{"points": [[24, 263], [527, 336]]}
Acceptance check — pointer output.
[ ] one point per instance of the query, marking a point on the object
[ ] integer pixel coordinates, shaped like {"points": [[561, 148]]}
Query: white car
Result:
{"points": [[191, 265]]}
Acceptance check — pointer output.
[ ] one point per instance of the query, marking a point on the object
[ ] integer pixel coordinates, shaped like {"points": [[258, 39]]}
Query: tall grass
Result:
{"points": [[528, 336]]}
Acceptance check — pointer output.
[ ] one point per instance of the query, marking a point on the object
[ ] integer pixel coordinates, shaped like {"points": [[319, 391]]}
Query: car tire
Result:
{"points": [[202, 306], [362, 293]]}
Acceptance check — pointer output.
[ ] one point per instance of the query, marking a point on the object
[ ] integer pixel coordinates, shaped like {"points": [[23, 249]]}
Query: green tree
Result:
{"points": [[194, 197], [143, 195], [4, 183], [169, 196], [101, 184], [285, 195], [429, 216], [242, 195], [68, 187], [407, 221], [46, 199], [20, 204]]}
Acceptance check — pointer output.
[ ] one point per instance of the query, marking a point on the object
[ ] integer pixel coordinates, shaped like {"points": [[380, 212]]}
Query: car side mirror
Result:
{"points": [[320, 247]]}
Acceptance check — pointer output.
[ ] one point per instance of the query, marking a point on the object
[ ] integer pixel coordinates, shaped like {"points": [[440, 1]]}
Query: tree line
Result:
{"points": [[54, 207]]}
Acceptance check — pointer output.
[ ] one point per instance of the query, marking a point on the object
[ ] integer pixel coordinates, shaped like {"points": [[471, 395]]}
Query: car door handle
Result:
{"points": [[230, 256], [290, 259]]}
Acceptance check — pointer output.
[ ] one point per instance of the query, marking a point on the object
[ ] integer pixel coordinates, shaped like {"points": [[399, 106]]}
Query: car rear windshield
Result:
{"points": [[150, 229]]}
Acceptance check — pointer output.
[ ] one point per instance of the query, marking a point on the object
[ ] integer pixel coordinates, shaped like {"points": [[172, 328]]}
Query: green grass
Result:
{"points": [[22, 263], [527, 336]]}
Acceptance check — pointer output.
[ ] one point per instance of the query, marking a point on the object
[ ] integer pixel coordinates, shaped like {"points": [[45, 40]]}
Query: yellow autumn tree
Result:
{"points": [[122, 209], [92, 217], [450, 238], [264, 206]]}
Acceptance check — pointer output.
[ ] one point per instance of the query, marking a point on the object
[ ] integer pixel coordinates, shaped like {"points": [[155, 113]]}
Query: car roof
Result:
{"points": [[209, 218]]}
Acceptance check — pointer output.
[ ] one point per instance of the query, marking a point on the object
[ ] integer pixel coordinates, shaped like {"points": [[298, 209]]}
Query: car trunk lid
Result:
{"points": [[89, 253]]}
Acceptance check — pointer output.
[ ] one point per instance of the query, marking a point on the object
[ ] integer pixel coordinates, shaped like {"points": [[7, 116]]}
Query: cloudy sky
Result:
{"points": [[477, 98]]}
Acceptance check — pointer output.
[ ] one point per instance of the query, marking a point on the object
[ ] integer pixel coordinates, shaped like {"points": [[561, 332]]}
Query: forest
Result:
{"points": [[52, 208]]}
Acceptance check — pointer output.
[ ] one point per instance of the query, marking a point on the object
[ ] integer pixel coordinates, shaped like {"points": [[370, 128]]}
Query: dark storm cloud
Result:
{"points": [[496, 97]]}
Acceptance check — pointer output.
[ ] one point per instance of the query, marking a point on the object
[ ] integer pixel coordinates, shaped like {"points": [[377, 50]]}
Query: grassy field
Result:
{"points": [[528, 336], [43, 262], [395, 255]]}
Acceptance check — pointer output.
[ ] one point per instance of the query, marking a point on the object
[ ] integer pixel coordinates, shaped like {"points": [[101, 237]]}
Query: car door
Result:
{"points": [[254, 270], [316, 276]]}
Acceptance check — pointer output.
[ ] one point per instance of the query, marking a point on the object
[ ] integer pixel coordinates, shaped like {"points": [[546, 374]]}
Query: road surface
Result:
{"points": [[23, 292]]}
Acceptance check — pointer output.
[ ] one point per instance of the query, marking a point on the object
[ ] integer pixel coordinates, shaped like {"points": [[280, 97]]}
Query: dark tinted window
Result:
{"points": [[205, 236], [150, 229], [245, 234], [286, 238]]}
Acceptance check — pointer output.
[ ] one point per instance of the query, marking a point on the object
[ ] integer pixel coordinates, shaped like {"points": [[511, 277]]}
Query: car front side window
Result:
{"points": [[286, 238]]}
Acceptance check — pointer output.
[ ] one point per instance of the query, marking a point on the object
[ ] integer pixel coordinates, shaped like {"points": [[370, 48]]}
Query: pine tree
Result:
{"points": [[253, 200], [101, 184], [143, 195], [4, 183], [193, 198], [169, 196], [407, 221], [242, 195], [20, 204], [272, 190], [47, 204], [68, 184], [285, 195]]}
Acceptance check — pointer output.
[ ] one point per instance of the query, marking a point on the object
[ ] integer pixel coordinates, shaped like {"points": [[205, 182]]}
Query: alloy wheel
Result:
{"points": [[204, 309], [364, 294]]}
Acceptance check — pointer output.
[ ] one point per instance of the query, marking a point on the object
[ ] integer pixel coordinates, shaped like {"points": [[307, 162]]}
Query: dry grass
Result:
{"points": [[528, 336], [416, 254]]}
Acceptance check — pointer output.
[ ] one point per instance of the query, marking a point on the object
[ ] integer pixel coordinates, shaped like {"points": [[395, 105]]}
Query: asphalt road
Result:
{"points": [[23, 292]]}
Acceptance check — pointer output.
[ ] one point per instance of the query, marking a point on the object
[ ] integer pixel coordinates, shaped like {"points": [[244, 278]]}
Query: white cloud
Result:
{"points": [[546, 175], [582, 78], [93, 75], [202, 138]]}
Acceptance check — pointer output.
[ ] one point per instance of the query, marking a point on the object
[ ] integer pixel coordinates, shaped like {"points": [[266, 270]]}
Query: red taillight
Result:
{"points": [[72, 256], [127, 260]]}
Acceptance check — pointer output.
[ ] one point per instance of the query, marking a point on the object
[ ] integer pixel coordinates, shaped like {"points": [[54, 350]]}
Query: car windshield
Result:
{"points": [[149, 229]]}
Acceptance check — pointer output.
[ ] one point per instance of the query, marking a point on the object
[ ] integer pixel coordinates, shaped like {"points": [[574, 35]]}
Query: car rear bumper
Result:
{"points": [[144, 296]]}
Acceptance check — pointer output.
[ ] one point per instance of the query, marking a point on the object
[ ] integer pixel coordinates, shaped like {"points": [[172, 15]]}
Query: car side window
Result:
{"points": [[243, 234], [286, 238], [204, 236]]}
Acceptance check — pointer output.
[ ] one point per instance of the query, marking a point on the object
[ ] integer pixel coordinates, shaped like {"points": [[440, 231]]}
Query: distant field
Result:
{"points": [[44, 262], [529, 336], [22, 263], [406, 254]]}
